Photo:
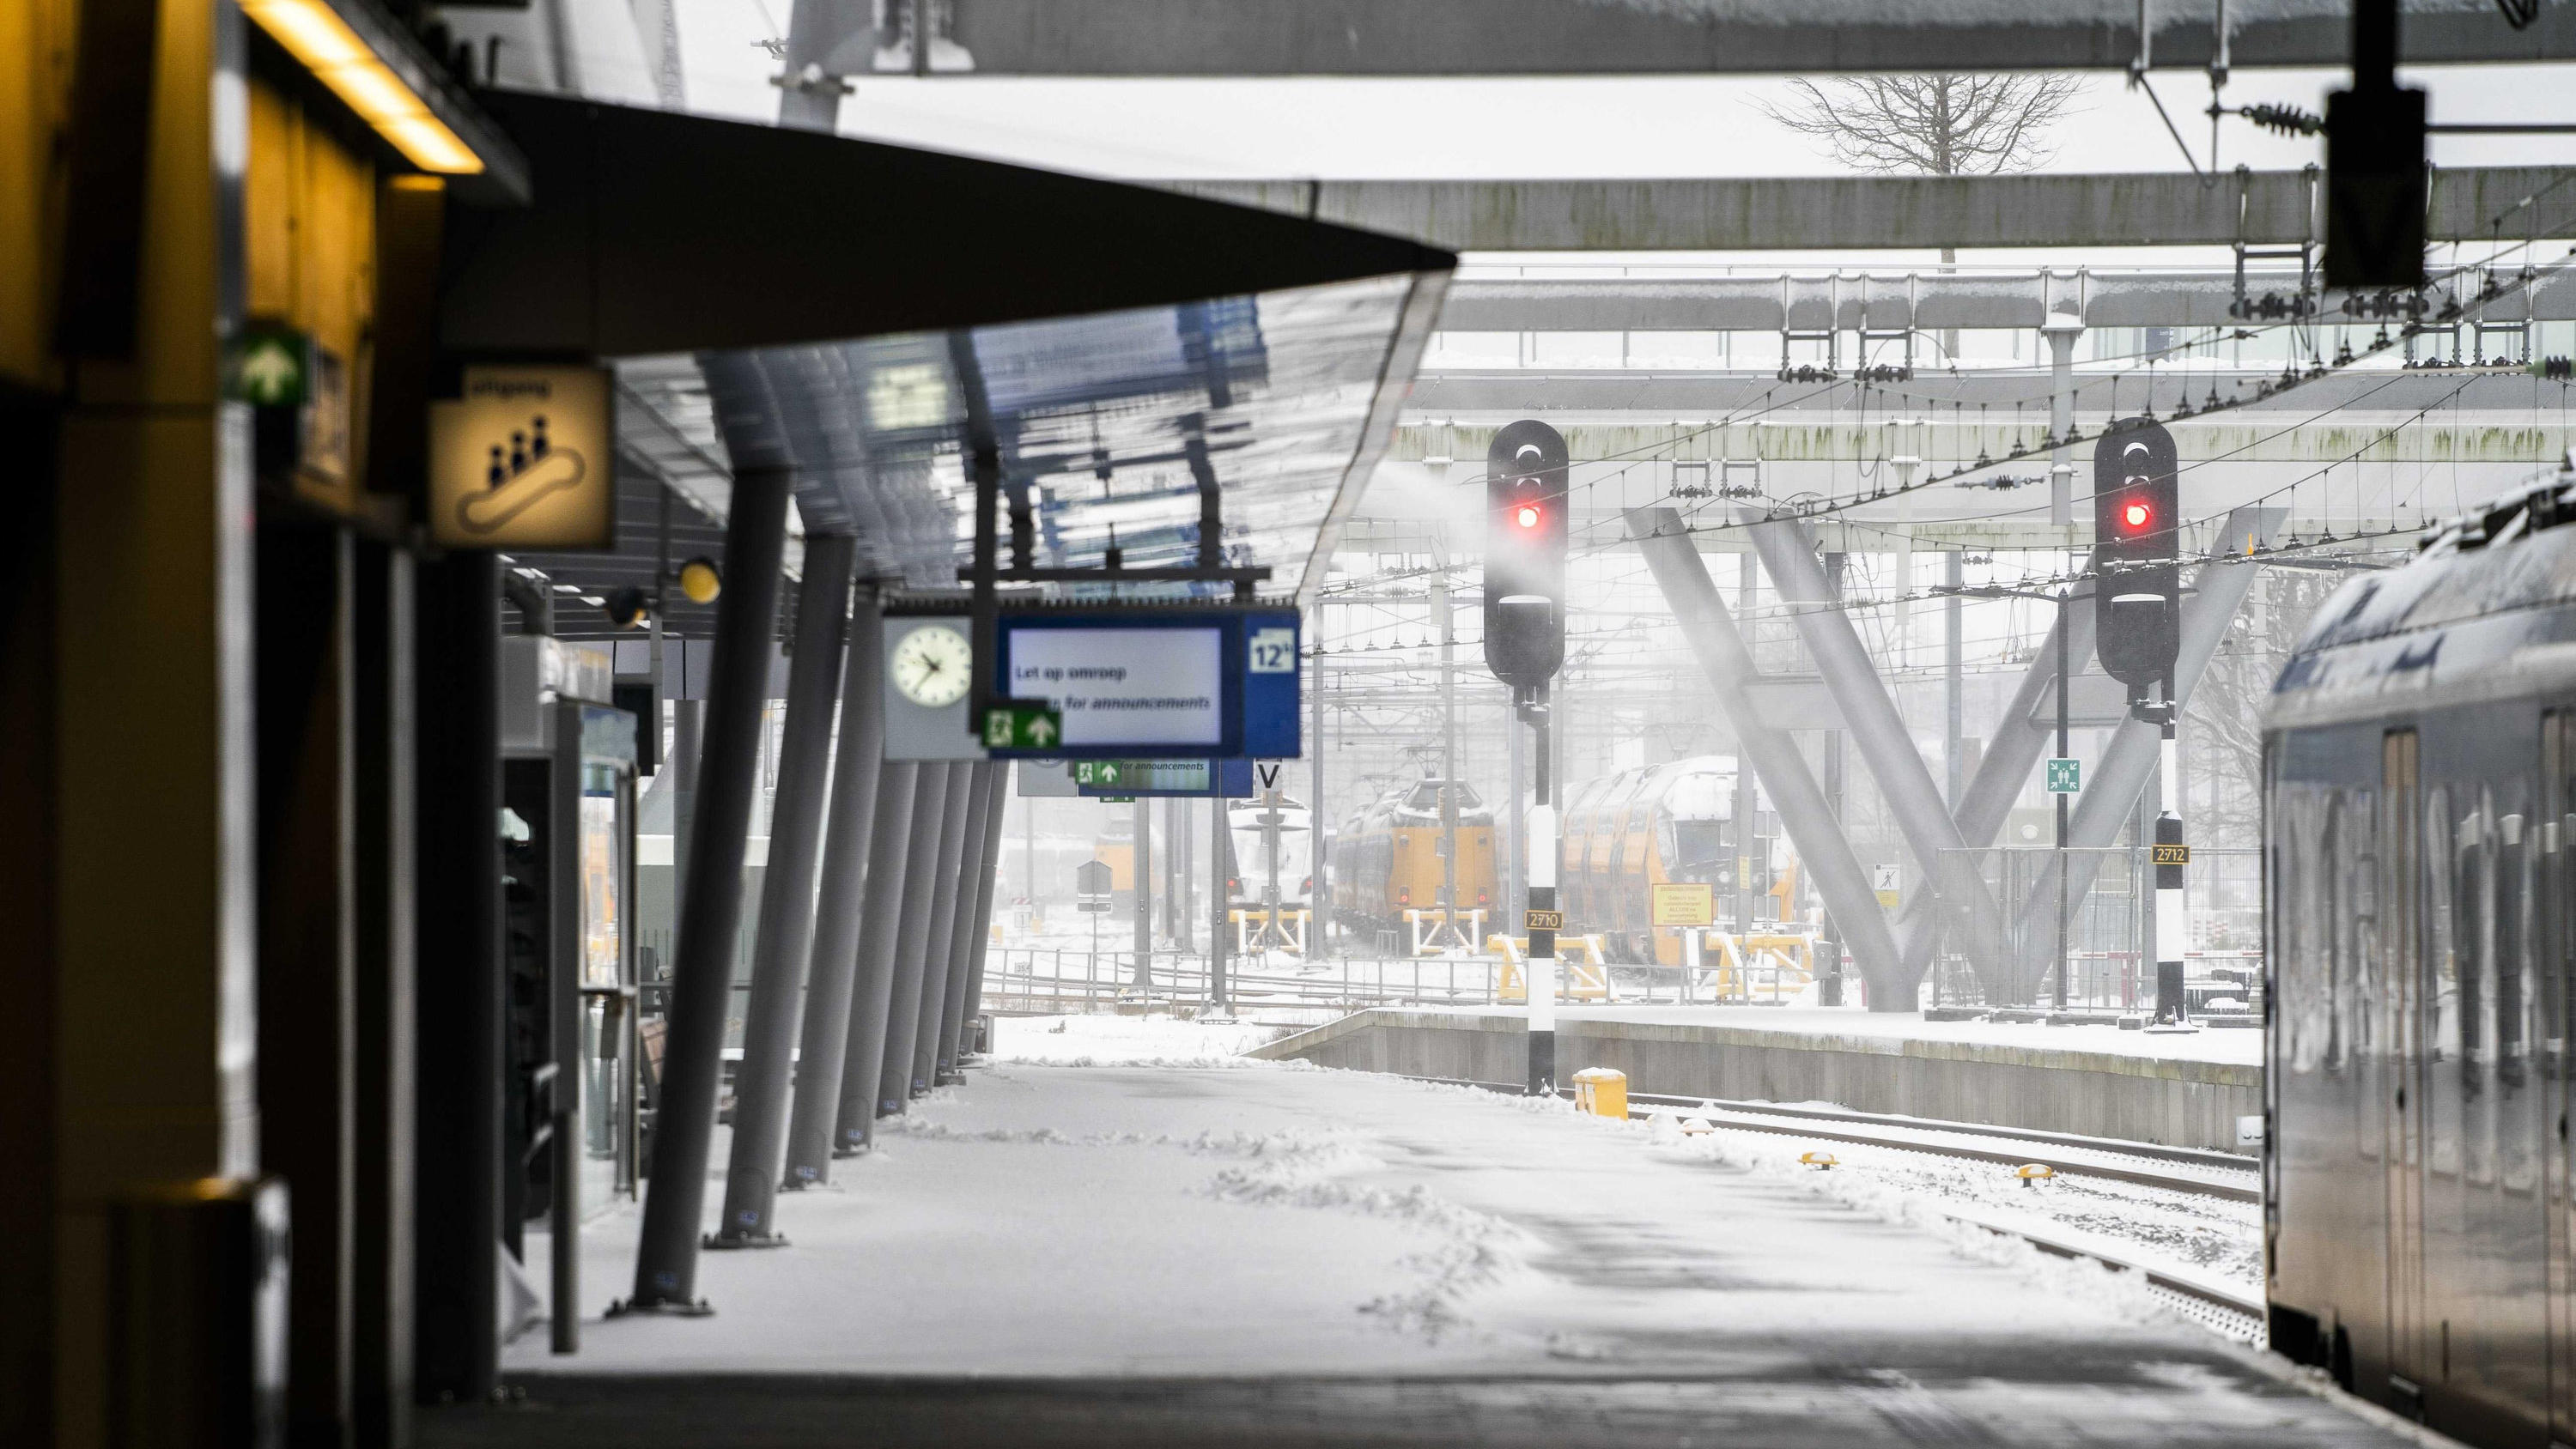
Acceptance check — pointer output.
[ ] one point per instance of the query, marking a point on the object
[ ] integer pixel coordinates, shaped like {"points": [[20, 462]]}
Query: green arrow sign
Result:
{"points": [[269, 368], [2065, 777], [1023, 727]]}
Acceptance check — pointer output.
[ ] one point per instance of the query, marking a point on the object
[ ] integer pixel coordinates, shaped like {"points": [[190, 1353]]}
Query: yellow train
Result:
{"points": [[1386, 859], [1625, 833], [1116, 848]]}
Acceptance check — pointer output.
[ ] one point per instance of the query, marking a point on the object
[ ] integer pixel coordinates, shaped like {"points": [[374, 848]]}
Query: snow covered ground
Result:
{"points": [[1123, 1196], [1084, 1041], [1127, 1194]]}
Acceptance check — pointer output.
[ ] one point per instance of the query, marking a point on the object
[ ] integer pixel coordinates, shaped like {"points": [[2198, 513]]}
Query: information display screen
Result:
{"points": [[1141, 682], [1125, 686]]}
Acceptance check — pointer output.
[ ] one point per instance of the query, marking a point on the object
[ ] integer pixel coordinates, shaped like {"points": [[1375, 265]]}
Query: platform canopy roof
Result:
{"points": [[861, 313]]}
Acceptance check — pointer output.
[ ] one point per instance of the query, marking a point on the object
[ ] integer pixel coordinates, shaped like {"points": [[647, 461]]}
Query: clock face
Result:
{"points": [[931, 666]]}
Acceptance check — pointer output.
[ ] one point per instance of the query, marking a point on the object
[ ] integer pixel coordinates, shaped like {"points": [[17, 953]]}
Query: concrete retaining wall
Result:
{"points": [[2098, 1094]]}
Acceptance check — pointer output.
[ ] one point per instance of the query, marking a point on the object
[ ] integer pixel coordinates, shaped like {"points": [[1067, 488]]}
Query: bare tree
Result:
{"points": [[1937, 125]]}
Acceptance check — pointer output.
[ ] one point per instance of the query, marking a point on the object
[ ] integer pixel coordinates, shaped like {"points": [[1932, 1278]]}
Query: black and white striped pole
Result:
{"points": [[1526, 472], [2173, 927], [1541, 918]]}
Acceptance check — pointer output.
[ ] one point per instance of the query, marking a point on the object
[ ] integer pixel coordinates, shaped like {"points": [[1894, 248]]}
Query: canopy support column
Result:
{"points": [[872, 985], [666, 1262], [938, 951], [822, 1050], [786, 935]]}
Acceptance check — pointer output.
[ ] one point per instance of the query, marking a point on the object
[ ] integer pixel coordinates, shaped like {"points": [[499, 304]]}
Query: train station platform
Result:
{"points": [[1255, 1253], [2182, 1090]]}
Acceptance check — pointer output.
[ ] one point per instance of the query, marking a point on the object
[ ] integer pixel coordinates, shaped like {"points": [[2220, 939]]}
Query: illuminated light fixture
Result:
{"points": [[628, 607], [2136, 514], [315, 35], [701, 580], [1527, 517]]}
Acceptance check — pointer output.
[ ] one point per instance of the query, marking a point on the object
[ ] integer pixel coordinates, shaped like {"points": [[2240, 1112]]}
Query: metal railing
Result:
{"points": [[1073, 978]]}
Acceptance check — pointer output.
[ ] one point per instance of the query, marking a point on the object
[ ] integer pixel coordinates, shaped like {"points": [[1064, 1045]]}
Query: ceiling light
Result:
{"points": [[315, 34]]}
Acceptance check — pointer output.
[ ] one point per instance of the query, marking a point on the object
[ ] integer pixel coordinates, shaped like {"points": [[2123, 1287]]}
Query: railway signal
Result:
{"points": [[2137, 596], [1526, 470], [1525, 538]]}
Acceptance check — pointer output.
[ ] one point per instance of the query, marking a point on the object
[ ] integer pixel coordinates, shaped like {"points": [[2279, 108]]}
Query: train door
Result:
{"points": [[2404, 997], [2556, 951]]}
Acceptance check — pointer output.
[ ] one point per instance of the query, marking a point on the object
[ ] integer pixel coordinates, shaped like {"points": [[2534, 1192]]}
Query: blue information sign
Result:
{"points": [[1156, 683]]}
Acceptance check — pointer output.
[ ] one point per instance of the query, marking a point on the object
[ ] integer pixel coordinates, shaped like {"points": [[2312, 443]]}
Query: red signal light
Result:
{"points": [[2135, 515], [1526, 515]]}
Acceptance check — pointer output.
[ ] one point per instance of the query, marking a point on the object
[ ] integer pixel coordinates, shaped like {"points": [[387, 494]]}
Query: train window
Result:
{"points": [[2471, 898], [2333, 942], [2444, 1007], [2512, 953], [1700, 842], [2297, 922], [2358, 841]]}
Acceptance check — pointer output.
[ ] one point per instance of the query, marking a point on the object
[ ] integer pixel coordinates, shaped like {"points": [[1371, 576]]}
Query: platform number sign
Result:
{"points": [[1271, 651], [2065, 777]]}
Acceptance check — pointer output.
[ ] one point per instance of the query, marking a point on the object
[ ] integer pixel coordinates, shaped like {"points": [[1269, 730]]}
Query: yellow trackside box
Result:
{"points": [[1601, 1091]]}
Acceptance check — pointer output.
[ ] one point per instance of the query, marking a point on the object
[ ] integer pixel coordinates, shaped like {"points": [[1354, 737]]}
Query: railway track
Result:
{"points": [[2147, 1164], [2222, 1305]]}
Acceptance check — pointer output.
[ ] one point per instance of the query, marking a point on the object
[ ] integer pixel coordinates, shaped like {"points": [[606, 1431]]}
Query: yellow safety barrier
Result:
{"points": [[1585, 975], [1601, 1091]]}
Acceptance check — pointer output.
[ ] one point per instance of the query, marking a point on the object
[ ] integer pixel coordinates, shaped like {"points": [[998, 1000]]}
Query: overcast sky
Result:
{"points": [[1620, 126]]}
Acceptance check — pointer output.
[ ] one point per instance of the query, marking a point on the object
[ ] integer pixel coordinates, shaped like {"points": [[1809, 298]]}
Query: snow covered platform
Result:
{"points": [[2184, 1090], [1263, 1254]]}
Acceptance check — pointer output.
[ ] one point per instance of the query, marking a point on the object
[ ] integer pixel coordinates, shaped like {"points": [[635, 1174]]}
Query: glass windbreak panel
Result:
{"points": [[1110, 425], [607, 1082], [603, 877]]}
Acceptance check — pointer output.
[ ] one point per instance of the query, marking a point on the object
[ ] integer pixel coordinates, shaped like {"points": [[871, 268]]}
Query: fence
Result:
{"points": [[2110, 961], [1049, 979]]}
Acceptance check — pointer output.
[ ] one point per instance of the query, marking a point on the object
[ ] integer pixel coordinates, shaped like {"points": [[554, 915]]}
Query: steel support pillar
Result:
{"points": [[851, 1122], [1141, 870], [308, 968], [2026, 730], [822, 1045], [912, 940], [1839, 879], [2062, 329], [666, 1262], [462, 1004], [1887, 747], [2010, 755], [384, 813], [783, 945], [975, 918], [2122, 773], [688, 746], [826, 40], [1954, 572], [961, 934], [937, 948], [1220, 906]]}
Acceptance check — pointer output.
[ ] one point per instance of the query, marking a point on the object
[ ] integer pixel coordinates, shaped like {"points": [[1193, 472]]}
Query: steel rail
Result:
{"points": [[1859, 1133], [2196, 1156]]}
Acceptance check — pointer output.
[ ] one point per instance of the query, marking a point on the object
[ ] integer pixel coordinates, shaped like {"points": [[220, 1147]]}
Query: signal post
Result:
{"points": [[2138, 632], [1525, 539]]}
